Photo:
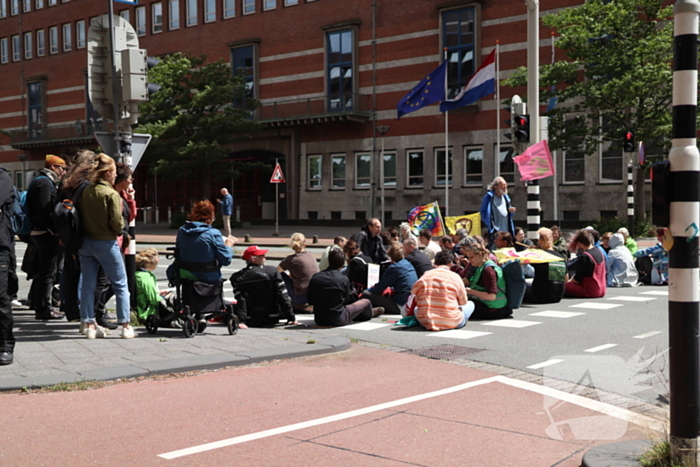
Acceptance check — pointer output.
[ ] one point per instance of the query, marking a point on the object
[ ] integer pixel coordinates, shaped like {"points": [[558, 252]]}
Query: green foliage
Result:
{"points": [[659, 455], [644, 227], [177, 220], [608, 224], [618, 65]]}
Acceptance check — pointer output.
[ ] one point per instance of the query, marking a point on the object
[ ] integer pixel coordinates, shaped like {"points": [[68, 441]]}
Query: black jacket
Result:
{"points": [[371, 246], [420, 261], [357, 271], [261, 296], [6, 199], [41, 200], [329, 291]]}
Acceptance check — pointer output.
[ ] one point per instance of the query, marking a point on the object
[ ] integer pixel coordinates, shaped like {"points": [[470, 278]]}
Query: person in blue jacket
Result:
{"points": [[496, 211], [202, 246], [399, 277], [226, 206]]}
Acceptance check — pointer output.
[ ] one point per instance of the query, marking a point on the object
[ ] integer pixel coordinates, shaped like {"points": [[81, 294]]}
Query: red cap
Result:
{"points": [[253, 251]]}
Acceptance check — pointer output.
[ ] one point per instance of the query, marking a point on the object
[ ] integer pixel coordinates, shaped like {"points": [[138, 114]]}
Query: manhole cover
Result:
{"points": [[445, 352]]}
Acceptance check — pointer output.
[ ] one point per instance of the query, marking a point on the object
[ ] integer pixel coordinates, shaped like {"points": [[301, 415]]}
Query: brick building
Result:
{"points": [[322, 69]]}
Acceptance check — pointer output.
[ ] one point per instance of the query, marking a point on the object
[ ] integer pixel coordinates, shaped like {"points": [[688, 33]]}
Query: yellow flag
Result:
{"points": [[471, 222]]}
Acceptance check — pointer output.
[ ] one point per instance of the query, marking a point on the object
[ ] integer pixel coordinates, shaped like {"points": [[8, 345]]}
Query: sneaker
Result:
{"points": [[128, 333], [98, 332], [378, 311], [83, 328], [16, 303], [176, 323]]}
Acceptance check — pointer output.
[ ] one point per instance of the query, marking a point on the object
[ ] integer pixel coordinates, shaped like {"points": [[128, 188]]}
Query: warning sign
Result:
{"points": [[277, 175]]}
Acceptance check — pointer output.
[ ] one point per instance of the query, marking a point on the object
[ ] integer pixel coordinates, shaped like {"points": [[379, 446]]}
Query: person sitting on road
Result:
{"points": [[405, 231], [560, 242], [461, 264], [520, 242], [430, 248], [656, 267], [370, 241], [334, 300], [441, 299], [503, 240], [420, 261], [487, 286], [629, 241], [399, 277], [149, 301], [357, 265], [301, 267], [621, 271], [588, 278], [338, 243], [261, 295], [549, 283], [605, 241]]}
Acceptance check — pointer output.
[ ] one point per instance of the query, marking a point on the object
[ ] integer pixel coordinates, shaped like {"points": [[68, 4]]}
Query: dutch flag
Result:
{"points": [[481, 85]]}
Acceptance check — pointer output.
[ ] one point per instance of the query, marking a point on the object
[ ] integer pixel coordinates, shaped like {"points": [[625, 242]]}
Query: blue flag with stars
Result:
{"points": [[430, 90]]}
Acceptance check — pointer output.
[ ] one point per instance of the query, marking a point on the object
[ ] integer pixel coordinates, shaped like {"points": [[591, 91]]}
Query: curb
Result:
{"points": [[621, 454], [208, 362]]}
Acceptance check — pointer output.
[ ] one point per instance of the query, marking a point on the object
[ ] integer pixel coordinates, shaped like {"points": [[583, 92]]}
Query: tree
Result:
{"points": [[198, 113]]}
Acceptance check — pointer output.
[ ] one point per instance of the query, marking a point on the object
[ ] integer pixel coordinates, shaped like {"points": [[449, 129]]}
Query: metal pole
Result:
{"points": [[115, 85], [447, 146], [277, 201], [382, 130], [630, 193], [373, 183], [684, 283], [533, 101], [498, 106]]}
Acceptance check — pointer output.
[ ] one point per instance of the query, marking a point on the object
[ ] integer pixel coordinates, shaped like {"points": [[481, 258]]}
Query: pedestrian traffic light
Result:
{"points": [[628, 142], [661, 193], [522, 128]]}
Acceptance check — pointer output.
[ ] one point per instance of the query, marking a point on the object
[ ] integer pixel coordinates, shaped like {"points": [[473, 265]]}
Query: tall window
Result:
{"points": [[338, 171], [229, 7], [174, 12], [506, 164], [39, 4], [611, 157], [28, 47], [574, 156], [125, 14], [458, 35], [414, 163], [248, 7], [314, 172], [14, 7], [27, 7], [191, 12], [473, 165], [36, 109], [4, 52], [3, 8], [140, 21], [363, 163], [80, 34], [156, 17], [389, 169], [440, 167], [40, 43], [53, 40], [52, 2], [15, 48], [269, 4], [340, 70], [209, 11], [67, 37], [243, 63]]}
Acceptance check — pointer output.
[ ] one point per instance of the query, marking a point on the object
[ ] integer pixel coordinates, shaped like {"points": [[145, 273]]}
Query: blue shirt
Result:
{"points": [[227, 205], [399, 276]]}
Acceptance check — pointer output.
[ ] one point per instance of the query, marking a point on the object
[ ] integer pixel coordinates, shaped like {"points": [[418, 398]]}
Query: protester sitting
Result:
{"points": [[588, 278], [357, 265], [560, 242], [605, 241], [459, 235], [461, 264], [446, 243], [549, 282], [656, 268], [503, 240], [487, 285], [520, 242], [148, 300], [621, 271], [394, 235], [629, 241], [430, 248], [405, 231], [441, 299], [301, 266], [420, 261], [338, 243], [334, 299], [370, 241], [399, 277]]}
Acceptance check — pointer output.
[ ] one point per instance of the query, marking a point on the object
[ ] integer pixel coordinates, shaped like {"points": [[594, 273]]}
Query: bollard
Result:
{"points": [[247, 238], [315, 239]]}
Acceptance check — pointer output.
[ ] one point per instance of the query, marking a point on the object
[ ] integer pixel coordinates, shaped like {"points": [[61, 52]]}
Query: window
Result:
{"points": [[229, 8], [340, 70], [67, 37], [571, 215], [140, 13], [389, 169], [36, 109], [28, 48], [4, 52], [458, 36], [363, 163], [313, 215], [291, 2], [3, 8], [80, 34], [242, 61], [269, 4], [506, 164], [156, 17], [610, 156], [336, 215], [248, 7], [19, 178], [440, 167], [191, 12], [360, 215], [174, 11], [414, 162], [40, 43], [39, 4], [14, 7], [53, 39], [27, 6], [473, 165], [314, 172], [209, 11], [338, 171], [15, 48], [125, 14], [52, 2]]}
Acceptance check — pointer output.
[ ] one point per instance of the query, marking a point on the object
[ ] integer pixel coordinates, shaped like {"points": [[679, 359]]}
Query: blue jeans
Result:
{"points": [[105, 253]]}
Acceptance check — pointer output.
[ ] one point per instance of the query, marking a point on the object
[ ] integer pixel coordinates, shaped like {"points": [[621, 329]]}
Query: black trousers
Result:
{"points": [[69, 286], [7, 338], [12, 279], [482, 311], [389, 305], [46, 246]]}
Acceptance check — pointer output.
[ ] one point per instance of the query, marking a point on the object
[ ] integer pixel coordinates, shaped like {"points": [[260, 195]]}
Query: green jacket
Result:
{"points": [[147, 296], [631, 245], [101, 212], [501, 299]]}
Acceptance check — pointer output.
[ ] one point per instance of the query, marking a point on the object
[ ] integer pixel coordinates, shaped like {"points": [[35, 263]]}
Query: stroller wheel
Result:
{"points": [[189, 327], [233, 324], [152, 324]]}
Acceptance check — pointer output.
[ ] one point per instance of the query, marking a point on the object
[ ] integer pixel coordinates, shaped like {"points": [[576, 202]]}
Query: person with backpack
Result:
{"points": [[487, 286], [7, 205], [550, 278], [40, 202], [588, 279], [357, 265]]}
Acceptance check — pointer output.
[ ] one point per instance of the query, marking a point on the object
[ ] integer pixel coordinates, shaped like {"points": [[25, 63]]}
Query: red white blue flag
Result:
{"points": [[482, 84]]}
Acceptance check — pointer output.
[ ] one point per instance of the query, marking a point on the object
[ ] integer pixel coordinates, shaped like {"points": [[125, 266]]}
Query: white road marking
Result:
{"points": [[627, 298], [458, 334], [366, 326], [595, 305], [557, 314], [655, 292], [648, 334], [600, 347], [551, 362], [511, 323]]}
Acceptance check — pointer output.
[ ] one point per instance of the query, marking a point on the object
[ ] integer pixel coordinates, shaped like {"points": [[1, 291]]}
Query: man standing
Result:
{"points": [[41, 198], [7, 339], [226, 206], [420, 261], [496, 211], [370, 242]]}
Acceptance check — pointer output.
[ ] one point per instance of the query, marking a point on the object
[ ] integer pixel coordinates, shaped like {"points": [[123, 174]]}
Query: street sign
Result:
{"points": [[277, 175], [139, 143]]}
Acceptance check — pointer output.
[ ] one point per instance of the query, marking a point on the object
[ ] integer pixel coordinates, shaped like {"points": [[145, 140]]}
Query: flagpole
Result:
{"points": [[498, 112], [447, 147]]}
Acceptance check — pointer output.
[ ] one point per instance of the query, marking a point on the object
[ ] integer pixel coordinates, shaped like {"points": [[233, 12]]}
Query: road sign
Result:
{"points": [[277, 175], [139, 143]]}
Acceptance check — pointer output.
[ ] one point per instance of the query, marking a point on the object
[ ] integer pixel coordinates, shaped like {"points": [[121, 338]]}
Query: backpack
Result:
{"points": [[13, 209], [515, 283], [66, 219], [28, 224]]}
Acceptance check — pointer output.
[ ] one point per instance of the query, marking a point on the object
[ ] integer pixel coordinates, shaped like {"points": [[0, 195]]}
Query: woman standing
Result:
{"points": [[102, 222], [487, 287]]}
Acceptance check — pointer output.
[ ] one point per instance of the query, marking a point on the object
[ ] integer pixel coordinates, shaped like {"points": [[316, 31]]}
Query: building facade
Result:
{"points": [[329, 75]]}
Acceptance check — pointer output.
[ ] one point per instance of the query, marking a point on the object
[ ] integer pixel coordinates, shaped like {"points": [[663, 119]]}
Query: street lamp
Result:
{"points": [[23, 158], [382, 130]]}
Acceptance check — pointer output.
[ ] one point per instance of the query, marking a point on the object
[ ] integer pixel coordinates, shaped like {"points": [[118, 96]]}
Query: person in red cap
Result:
{"points": [[262, 298]]}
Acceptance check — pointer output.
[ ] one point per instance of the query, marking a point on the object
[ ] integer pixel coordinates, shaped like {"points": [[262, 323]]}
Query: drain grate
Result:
{"points": [[445, 352]]}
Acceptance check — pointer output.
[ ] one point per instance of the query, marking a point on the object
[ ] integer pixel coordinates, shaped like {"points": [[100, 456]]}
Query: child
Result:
{"points": [[148, 300], [658, 273]]}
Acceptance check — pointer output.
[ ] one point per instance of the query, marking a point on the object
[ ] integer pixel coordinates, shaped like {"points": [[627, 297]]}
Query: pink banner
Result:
{"points": [[535, 162]]}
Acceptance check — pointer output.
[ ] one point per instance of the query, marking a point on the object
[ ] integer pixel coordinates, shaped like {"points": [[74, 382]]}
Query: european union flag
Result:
{"points": [[430, 90]]}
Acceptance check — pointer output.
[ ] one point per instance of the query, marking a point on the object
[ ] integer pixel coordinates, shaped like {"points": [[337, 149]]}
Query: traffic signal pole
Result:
{"points": [[684, 271], [115, 82]]}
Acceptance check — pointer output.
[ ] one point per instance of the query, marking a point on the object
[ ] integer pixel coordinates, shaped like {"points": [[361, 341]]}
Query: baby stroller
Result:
{"points": [[195, 302]]}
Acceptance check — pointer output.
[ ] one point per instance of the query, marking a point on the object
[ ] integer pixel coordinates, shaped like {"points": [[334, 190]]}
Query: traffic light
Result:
{"points": [[661, 193], [522, 128], [135, 66], [628, 142]]}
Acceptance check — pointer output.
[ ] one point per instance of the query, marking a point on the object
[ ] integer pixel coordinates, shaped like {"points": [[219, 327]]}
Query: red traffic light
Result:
{"points": [[522, 120], [629, 136]]}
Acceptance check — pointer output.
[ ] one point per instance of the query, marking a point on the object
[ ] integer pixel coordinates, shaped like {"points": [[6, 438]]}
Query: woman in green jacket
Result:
{"points": [[487, 287]]}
